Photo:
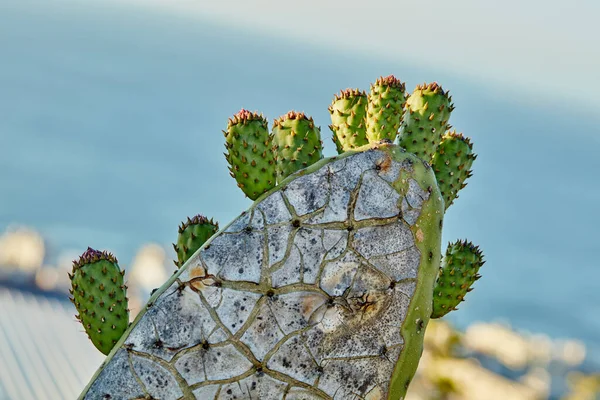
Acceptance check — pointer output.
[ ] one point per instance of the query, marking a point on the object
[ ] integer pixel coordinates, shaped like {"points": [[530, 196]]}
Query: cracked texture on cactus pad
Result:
{"points": [[296, 143], [348, 112], [193, 233], [385, 107], [99, 295], [425, 120], [321, 290], [249, 154], [452, 165], [458, 273]]}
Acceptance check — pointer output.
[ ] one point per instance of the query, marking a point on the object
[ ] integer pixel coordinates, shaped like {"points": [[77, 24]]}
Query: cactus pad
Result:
{"points": [[452, 165], [458, 273], [425, 120], [99, 295], [348, 113], [385, 107], [192, 235], [321, 290], [296, 143], [249, 154]]}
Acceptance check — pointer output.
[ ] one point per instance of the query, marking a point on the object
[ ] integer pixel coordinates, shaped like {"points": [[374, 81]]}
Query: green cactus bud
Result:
{"points": [[193, 233], [338, 146], [296, 143], [452, 165], [425, 120], [249, 153], [385, 108], [100, 297], [348, 112], [459, 271]]}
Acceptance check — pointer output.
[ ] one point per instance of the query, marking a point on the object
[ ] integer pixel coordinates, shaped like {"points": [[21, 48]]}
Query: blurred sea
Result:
{"points": [[110, 134]]}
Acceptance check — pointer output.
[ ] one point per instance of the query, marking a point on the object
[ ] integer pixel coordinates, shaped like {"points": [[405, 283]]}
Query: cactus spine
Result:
{"points": [[426, 117], [100, 298], [249, 154], [452, 164], [193, 233], [459, 271], [348, 112], [296, 143], [386, 102]]}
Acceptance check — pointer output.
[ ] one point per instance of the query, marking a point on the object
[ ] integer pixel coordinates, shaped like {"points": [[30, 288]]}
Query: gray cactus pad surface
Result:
{"points": [[301, 297]]}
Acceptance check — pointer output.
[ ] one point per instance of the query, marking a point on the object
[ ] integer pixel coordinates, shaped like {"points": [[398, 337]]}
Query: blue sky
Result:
{"points": [[530, 48]]}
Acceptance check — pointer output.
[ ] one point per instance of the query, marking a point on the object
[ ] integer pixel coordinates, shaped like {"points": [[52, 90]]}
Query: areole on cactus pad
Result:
{"points": [[324, 287]]}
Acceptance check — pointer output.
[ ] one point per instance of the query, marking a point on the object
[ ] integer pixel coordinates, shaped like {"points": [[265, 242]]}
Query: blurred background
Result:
{"points": [[110, 134]]}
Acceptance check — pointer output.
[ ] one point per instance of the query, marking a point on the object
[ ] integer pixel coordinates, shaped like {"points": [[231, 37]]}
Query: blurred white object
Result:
{"points": [[21, 248], [572, 352], [148, 269], [46, 278]]}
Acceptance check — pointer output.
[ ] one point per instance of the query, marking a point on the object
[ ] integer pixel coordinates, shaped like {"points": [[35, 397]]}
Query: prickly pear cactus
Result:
{"points": [[321, 290], [296, 143], [100, 297], [425, 120], [385, 108], [452, 164], [193, 233], [348, 112], [457, 274], [249, 154]]}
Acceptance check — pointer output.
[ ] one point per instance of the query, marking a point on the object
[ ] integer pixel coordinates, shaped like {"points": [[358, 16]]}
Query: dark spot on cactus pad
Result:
{"points": [[420, 325], [383, 351]]}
